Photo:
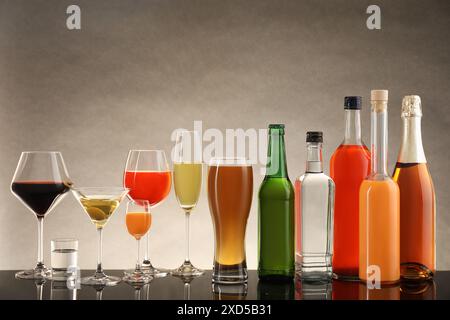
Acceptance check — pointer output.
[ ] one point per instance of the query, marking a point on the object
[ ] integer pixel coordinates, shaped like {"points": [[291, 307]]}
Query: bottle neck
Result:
{"points": [[314, 157], [411, 150], [352, 127], [379, 138], [276, 155]]}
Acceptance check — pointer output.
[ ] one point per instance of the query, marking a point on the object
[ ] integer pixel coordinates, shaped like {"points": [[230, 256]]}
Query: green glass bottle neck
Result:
{"points": [[276, 155]]}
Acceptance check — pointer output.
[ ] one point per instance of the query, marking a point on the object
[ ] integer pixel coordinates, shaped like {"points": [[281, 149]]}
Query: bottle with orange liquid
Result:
{"points": [[417, 198], [379, 207], [349, 165]]}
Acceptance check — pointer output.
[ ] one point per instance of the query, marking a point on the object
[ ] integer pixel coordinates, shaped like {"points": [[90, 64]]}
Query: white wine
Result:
{"points": [[99, 208], [188, 181]]}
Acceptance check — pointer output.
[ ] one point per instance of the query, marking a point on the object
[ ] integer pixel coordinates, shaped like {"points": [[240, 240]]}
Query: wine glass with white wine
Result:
{"points": [[187, 177]]}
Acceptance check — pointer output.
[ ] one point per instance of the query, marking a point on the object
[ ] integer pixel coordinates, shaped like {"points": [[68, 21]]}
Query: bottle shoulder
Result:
{"points": [[346, 150], [379, 182], [312, 177], [276, 187]]}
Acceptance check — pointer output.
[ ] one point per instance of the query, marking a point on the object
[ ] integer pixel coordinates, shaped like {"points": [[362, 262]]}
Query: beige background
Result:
{"points": [[139, 69]]}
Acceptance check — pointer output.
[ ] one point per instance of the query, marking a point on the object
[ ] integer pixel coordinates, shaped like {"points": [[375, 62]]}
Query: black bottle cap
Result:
{"points": [[314, 136], [352, 103]]}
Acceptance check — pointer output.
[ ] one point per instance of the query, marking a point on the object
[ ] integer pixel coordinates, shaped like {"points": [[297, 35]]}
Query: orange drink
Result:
{"points": [[138, 223], [379, 207], [379, 223]]}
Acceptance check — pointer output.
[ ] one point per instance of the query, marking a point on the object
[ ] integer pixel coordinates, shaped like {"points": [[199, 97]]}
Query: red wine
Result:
{"points": [[39, 196]]}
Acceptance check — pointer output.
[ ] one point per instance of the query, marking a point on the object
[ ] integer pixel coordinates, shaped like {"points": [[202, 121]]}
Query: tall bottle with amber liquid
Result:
{"points": [[417, 198], [379, 206], [349, 165]]}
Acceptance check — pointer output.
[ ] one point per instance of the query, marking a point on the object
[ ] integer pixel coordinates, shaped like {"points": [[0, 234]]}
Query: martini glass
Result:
{"points": [[100, 204]]}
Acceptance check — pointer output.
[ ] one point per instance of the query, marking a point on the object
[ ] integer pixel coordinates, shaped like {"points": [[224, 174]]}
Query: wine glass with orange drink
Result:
{"points": [[148, 177], [138, 220]]}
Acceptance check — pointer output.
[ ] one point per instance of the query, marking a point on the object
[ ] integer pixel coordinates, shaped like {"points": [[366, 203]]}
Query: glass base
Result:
{"points": [[134, 277], [187, 270], [100, 281], [230, 274], [41, 273], [415, 272], [149, 270]]}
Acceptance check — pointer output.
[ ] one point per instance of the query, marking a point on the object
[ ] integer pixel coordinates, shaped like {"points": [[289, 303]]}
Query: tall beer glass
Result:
{"points": [[230, 190]]}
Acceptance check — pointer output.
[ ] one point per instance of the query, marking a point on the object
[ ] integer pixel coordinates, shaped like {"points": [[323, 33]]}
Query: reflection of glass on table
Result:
{"points": [[306, 290], [60, 291], [229, 291]]}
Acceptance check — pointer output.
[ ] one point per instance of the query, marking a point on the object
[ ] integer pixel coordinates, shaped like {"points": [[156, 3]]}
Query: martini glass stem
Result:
{"points": [[187, 214], [99, 253], [40, 262]]}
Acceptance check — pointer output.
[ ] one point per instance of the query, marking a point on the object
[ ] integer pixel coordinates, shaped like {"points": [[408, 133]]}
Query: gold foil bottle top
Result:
{"points": [[379, 100], [411, 107]]}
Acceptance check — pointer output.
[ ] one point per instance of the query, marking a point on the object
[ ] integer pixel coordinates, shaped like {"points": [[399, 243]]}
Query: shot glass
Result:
{"points": [[64, 258]]}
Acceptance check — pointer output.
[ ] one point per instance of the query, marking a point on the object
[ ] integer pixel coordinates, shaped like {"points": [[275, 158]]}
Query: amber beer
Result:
{"points": [[230, 190]]}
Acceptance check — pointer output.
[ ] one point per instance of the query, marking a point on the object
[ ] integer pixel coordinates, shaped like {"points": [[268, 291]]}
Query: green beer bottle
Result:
{"points": [[276, 213]]}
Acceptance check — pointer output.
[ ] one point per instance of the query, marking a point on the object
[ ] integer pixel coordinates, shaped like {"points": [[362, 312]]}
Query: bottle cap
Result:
{"points": [[379, 95], [276, 129], [411, 106], [352, 103], [314, 136]]}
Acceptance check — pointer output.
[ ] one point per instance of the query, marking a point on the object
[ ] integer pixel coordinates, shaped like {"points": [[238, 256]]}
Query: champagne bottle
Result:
{"points": [[417, 198]]}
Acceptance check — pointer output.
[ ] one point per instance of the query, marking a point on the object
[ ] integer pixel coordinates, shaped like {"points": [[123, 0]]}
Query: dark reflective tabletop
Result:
{"points": [[171, 288]]}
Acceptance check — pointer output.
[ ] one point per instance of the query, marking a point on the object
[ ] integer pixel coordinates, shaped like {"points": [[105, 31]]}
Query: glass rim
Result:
{"points": [[138, 202], [230, 161], [145, 150], [100, 188], [43, 152], [63, 240]]}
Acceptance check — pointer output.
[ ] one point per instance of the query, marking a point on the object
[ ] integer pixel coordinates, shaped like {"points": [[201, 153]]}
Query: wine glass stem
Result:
{"points": [[40, 255], [99, 254], [187, 291], [147, 262], [138, 263], [187, 214]]}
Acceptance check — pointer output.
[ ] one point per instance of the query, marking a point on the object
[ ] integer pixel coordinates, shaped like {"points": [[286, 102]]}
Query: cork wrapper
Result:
{"points": [[379, 106], [411, 107]]}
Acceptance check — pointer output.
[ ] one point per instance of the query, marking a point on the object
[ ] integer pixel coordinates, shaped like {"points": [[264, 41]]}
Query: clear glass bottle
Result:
{"points": [[417, 198], [315, 206]]}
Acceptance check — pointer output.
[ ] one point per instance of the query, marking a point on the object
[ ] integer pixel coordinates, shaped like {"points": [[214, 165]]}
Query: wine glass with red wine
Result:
{"points": [[40, 182]]}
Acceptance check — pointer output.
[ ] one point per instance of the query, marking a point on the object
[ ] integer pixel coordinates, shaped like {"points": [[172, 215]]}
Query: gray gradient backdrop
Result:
{"points": [[139, 69]]}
